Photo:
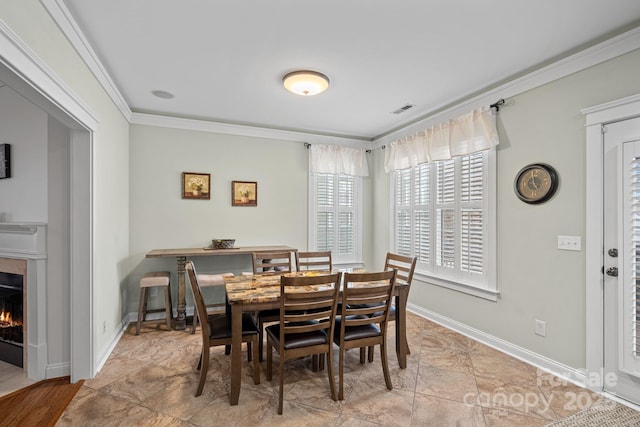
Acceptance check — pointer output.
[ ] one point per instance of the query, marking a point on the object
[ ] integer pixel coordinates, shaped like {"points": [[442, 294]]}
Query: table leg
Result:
{"points": [[181, 318], [401, 328], [236, 352]]}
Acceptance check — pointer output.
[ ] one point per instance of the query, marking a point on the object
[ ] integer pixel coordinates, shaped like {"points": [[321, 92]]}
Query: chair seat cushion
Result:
{"points": [[220, 326], [297, 340], [355, 332], [155, 278]]}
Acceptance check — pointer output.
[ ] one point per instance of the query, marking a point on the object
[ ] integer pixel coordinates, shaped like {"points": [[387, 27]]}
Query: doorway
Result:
{"points": [[610, 269]]}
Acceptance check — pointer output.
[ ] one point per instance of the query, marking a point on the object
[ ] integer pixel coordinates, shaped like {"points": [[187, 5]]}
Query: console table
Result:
{"points": [[181, 256]]}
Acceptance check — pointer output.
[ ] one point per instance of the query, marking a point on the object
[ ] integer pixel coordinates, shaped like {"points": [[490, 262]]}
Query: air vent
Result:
{"points": [[403, 108]]}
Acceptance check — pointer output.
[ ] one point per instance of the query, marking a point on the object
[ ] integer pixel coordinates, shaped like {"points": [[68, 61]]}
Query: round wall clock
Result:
{"points": [[536, 183]]}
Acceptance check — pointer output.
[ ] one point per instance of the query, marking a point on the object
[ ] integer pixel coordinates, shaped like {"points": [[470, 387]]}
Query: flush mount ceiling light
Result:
{"points": [[162, 94], [305, 83]]}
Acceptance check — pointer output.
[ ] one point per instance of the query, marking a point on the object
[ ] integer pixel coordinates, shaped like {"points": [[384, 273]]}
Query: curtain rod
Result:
{"points": [[307, 145], [500, 102]]}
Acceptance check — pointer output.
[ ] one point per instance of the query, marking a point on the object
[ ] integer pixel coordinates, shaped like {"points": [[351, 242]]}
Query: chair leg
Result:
{"points": [[248, 351], [314, 363], [141, 307], [203, 370], [195, 321], [256, 361], [362, 354], [332, 383], [261, 339], [227, 350], [370, 354], [385, 365], [341, 375], [268, 374], [281, 388], [199, 362], [167, 306]]}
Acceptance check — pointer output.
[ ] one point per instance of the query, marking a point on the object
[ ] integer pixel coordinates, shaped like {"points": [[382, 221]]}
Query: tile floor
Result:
{"points": [[12, 378], [150, 379]]}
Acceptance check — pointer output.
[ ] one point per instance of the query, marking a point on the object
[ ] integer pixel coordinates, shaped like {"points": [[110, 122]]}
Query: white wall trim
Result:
{"points": [[21, 60], [244, 130], [561, 370], [63, 18], [102, 358], [604, 51], [58, 370]]}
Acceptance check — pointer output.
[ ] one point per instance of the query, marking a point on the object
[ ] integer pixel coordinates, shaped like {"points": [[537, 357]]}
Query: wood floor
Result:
{"points": [[39, 404]]}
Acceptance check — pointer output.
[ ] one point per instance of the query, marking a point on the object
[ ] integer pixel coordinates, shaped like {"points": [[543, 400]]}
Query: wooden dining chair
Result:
{"points": [[319, 260], [307, 322], [366, 298], [405, 265], [216, 331], [278, 262]]}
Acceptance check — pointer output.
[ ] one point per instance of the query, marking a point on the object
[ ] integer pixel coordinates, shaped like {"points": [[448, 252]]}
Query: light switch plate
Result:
{"points": [[570, 243]]}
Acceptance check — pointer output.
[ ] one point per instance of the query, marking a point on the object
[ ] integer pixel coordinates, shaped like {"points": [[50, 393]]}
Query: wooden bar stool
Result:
{"points": [[154, 279]]}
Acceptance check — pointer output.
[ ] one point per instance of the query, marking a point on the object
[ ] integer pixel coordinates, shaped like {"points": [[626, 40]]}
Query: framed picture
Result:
{"points": [[244, 193], [196, 185], [5, 161]]}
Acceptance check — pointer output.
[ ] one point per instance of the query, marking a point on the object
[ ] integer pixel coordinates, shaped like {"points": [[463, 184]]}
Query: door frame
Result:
{"points": [[29, 76], [596, 118]]}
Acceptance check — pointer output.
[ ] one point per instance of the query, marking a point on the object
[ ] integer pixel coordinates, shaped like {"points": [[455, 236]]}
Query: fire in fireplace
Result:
{"points": [[11, 318]]}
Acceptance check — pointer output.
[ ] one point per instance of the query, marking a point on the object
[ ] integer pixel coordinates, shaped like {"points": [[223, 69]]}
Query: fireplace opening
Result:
{"points": [[11, 318]]}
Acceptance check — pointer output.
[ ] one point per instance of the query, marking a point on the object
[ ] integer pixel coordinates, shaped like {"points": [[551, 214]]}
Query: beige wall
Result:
{"points": [[535, 279]]}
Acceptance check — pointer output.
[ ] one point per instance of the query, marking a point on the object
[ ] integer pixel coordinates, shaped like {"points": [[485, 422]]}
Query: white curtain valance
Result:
{"points": [[467, 134], [338, 160]]}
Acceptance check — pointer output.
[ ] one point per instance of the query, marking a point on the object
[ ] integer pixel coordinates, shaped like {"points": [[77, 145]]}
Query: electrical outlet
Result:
{"points": [[541, 328], [570, 243]]}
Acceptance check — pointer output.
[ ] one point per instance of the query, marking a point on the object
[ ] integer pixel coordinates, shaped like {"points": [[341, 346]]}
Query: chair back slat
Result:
{"points": [[272, 262], [362, 304], [308, 303], [404, 264], [198, 299], [319, 260]]}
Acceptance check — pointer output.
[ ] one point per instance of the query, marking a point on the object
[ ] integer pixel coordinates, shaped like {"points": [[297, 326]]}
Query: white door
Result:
{"points": [[622, 259]]}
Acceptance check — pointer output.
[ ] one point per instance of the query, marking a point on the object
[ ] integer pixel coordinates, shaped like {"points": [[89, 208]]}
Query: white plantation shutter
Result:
{"points": [[634, 219], [334, 207], [472, 225], [440, 213], [445, 213]]}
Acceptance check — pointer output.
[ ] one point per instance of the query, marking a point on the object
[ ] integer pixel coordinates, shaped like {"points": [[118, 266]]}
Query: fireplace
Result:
{"points": [[11, 318], [23, 279]]}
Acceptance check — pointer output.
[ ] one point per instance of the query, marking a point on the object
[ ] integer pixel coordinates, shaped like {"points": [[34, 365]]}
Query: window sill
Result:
{"points": [[467, 288]]}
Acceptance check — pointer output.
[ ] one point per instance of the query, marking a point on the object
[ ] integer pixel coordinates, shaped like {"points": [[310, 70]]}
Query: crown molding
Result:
{"points": [[601, 52], [63, 18], [244, 130]]}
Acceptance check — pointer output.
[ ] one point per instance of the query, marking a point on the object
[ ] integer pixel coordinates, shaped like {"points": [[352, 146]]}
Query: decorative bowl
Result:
{"points": [[223, 243]]}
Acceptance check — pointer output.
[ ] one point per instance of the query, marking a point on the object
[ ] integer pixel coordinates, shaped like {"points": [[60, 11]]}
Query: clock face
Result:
{"points": [[536, 183]]}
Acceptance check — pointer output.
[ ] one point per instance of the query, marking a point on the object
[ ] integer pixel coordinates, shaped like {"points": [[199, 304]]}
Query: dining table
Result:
{"points": [[182, 254], [251, 293]]}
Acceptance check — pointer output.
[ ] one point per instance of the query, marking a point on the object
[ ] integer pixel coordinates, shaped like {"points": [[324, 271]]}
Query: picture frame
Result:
{"points": [[5, 161], [196, 185], [244, 193]]}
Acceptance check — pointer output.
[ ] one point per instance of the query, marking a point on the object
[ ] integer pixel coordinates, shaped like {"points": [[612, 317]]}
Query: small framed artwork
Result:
{"points": [[244, 193], [5, 161], [196, 185]]}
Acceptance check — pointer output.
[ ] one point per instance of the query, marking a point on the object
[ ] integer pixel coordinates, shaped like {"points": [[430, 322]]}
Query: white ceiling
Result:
{"points": [[224, 60]]}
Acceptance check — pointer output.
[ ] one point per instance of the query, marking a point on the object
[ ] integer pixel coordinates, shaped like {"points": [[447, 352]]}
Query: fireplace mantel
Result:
{"points": [[23, 239], [27, 241]]}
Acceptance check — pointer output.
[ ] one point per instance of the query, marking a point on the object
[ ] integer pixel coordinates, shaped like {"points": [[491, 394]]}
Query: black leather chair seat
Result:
{"points": [[355, 332], [292, 341], [220, 326]]}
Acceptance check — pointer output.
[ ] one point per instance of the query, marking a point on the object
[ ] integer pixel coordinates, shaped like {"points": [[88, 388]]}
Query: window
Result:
{"points": [[335, 202], [443, 213]]}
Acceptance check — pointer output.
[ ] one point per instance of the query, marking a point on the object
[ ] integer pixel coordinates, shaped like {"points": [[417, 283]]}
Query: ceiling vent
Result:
{"points": [[403, 108]]}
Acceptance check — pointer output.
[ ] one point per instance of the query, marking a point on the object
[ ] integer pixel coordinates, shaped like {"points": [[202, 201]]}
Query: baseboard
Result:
{"points": [[58, 370], [575, 376], [113, 341]]}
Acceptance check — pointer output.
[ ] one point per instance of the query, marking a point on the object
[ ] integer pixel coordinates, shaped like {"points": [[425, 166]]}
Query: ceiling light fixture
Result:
{"points": [[305, 83], [162, 94]]}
